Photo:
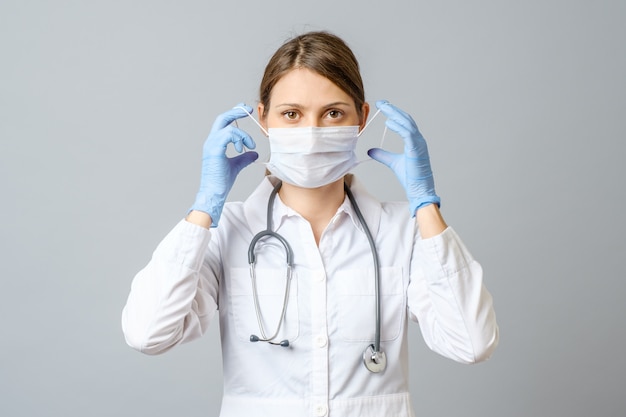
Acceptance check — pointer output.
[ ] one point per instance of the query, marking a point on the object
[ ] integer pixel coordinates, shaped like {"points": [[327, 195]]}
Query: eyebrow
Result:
{"points": [[338, 103], [299, 106]]}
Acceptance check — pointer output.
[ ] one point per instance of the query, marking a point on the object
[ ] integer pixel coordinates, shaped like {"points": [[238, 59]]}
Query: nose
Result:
{"points": [[311, 121]]}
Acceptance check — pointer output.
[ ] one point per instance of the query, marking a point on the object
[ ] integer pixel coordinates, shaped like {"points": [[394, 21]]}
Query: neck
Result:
{"points": [[316, 205]]}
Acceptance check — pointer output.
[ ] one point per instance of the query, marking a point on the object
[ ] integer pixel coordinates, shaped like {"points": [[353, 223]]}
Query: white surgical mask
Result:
{"points": [[312, 157]]}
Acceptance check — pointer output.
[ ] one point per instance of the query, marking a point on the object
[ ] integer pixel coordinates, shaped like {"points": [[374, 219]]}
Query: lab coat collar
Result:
{"points": [[370, 207], [255, 206]]}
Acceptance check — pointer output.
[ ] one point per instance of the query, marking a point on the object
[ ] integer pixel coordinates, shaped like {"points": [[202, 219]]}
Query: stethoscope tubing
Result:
{"points": [[370, 239], [374, 359]]}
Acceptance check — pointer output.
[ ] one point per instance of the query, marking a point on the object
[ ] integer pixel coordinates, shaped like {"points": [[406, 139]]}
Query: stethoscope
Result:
{"points": [[373, 358]]}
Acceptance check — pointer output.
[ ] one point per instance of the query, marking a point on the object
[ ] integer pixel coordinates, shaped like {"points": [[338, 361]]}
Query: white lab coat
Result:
{"points": [[330, 318]]}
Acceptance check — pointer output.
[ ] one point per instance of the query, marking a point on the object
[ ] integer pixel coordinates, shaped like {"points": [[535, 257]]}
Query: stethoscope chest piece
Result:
{"points": [[375, 361]]}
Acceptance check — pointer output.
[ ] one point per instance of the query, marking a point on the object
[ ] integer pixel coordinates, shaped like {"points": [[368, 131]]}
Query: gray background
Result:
{"points": [[104, 106]]}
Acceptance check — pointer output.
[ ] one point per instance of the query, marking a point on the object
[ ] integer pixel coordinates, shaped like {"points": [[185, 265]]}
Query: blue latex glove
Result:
{"points": [[219, 171], [411, 167]]}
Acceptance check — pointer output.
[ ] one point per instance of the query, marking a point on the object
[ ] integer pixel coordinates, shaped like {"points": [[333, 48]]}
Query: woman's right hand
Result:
{"points": [[218, 170]]}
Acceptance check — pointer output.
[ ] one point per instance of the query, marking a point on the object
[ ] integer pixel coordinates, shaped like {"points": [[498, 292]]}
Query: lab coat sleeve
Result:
{"points": [[174, 298], [446, 296]]}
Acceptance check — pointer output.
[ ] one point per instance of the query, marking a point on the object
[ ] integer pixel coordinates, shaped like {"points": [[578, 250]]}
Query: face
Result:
{"points": [[303, 98]]}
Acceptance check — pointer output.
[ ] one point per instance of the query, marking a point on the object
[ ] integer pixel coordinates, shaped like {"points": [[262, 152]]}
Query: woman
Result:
{"points": [[336, 320]]}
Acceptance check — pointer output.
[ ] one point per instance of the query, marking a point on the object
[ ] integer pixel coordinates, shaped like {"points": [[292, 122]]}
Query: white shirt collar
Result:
{"points": [[255, 206]]}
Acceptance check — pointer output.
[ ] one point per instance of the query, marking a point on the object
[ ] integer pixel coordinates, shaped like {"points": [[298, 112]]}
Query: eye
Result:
{"points": [[335, 114], [291, 115]]}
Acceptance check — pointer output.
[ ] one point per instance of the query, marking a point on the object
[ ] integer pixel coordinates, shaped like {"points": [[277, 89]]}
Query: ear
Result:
{"points": [[365, 111], [262, 119]]}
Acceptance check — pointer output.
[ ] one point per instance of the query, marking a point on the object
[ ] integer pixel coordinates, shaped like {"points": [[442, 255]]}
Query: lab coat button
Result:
{"points": [[321, 410], [320, 276], [320, 341]]}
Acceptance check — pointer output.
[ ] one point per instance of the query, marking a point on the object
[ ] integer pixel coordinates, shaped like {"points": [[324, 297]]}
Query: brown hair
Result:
{"points": [[321, 52]]}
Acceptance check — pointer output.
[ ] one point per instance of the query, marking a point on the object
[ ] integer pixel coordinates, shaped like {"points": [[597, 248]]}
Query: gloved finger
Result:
{"points": [[244, 105], [241, 138], [219, 141], [231, 115], [384, 157], [247, 139], [388, 109], [239, 162], [380, 103], [411, 134], [399, 116]]}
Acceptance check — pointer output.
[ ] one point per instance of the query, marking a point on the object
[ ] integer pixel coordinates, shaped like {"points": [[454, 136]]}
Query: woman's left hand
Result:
{"points": [[411, 167]]}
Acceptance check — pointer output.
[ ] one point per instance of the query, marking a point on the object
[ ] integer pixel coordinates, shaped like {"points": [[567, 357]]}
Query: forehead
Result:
{"points": [[306, 87]]}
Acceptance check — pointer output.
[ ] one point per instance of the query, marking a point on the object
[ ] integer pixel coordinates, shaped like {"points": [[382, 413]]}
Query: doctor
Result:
{"points": [[342, 293]]}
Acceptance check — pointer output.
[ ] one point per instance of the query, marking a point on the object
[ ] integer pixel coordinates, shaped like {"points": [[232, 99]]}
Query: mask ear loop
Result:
{"points": [[382, 140], [256, 122], [253, 119]]}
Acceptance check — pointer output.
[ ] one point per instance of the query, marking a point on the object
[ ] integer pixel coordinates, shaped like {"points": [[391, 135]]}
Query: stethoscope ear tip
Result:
{"points": [[283, 343]]}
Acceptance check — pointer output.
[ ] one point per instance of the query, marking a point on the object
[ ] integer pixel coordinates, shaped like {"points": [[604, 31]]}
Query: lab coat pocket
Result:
{"points": [[357, 304], [271, 286]]}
